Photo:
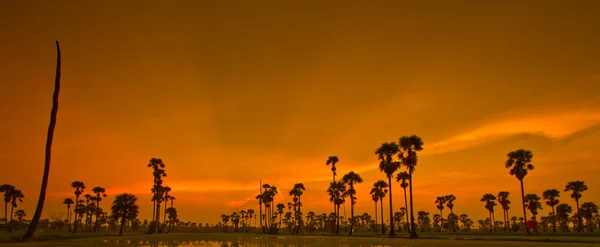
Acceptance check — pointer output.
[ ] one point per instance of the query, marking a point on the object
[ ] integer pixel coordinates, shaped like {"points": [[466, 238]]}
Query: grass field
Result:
{"points": [[256, 240]]}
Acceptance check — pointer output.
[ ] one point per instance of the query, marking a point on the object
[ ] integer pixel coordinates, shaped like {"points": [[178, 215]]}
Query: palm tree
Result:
{"points": [[385, 153], [410, 145], [375, 196], [280, 208], [351, 179], [158, 172], [402, 178], [588, 209], [251, 215], [79, 187], [450, 204], [576, 188], [504, 202], [440, 201], [124, 208], [28, 235], [532, 202], [166, 198], [7, 190], [68, 201], [297, 192], [20, 214], [381, 189], [333, 160], [490, 203], [15, 196], [337, 192], [551, 197], [100, 192], [562, 212], [519, 162]]}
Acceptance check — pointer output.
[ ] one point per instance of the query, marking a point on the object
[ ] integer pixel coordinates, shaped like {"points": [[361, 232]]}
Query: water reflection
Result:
{"points": [[239, 243]]}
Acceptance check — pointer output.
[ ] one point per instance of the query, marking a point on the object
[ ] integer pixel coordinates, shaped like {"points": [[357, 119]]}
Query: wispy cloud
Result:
{"points": [[554, 126]]}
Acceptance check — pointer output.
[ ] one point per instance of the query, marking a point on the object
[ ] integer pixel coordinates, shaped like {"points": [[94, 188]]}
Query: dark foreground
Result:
{"points": [[259, 240]]}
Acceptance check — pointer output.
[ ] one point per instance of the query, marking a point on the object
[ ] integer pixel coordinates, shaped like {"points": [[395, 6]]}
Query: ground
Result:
{"points": [[252, 240]]}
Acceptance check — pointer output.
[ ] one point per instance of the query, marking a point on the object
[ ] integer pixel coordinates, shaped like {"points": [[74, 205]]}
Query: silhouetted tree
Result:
{"points": [[333, 160], [100, 193], [124, 208], [7, 190], [490, 203], [296, 192], [79, 188], [28, 235], [576, 188], [440, 201], [409, 146], [351, 179], [158, 172], [519, 162], [380, 189], [15, 196], [551, 197], [68, 201], [587, 211], [562, 212], [504, 203], [385, 153], [402, 178], [532, 202], [450, 204]]}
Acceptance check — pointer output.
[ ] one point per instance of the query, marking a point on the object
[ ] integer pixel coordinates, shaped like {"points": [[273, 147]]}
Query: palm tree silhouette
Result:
{"points": [[351, 179], [450, 204], [562, 212], [380, 189], [166, 198], [576, 188], [337, 191], [296, 192], [551, 197], [440, 201], [68, 201], [375, 196], [28, 235], [15, 196], [490, 203], [385, 153], [124, 208], [402, 178], [7, 190], [410, 145], [588, 209], [100, 193], [504, 202], [79, 188], [519, 162], [158, 173], [532, 202], [333, 160]]}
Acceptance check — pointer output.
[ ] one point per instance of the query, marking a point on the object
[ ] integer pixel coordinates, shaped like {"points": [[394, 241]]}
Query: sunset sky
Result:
{"points": [[227, 94]]}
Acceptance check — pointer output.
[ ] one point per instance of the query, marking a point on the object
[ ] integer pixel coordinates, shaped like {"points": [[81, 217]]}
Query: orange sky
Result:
{"points": [[227, 94]]}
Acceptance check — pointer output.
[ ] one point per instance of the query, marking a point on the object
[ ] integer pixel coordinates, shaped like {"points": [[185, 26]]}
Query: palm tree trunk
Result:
{"points": [[122, 226], [96, 223], [553, 220], [351, 214], [151, 228], [382, 220], [6, 214], [164, 224], [76, 214], [157, 224], [524, 209], [406, 205], [375, 226], [413, 233], [12, 208], [392, 233], [53, 113], [491, 220], [579, 221], [441, 221], [337, 227], [504, 219], [494, 221], [507, 220], [454, 217]]}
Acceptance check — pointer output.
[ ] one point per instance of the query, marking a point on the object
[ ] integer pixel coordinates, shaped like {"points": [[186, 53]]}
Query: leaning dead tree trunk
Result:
{"points": [[40, 205]]}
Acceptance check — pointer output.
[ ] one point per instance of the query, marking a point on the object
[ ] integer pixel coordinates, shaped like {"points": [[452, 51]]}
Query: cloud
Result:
{"points": [[554, 126]]}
